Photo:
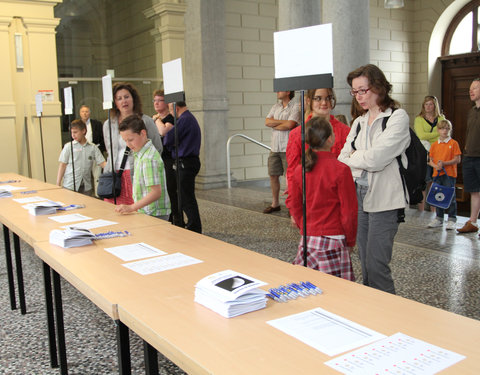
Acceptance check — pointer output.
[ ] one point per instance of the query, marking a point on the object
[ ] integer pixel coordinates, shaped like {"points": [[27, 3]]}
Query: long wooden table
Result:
{"points": [[200, 341], [37, 228]]}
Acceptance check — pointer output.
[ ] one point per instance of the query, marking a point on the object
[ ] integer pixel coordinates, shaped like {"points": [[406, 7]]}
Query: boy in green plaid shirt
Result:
{"points": [[149, 187]]}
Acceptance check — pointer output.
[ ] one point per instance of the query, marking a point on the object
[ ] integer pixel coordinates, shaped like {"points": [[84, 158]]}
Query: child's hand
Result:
{"points": [[439, 165], [124, 209]]}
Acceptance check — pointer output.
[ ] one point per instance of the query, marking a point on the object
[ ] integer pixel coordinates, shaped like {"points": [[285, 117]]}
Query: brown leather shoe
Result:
{"points": [[271, 209], [468, 228]]}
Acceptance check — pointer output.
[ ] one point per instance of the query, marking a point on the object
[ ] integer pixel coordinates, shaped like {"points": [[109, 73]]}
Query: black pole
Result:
{"points": [[304, 189], [71, 149], [43, 153], [114, 174], [180, 222]]}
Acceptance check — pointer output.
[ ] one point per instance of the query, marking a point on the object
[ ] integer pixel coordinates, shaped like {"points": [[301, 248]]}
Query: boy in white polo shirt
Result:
{"points": [[85, 154]]}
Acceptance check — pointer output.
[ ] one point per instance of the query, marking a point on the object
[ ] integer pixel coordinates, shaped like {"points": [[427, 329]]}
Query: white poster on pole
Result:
{"points": [[39, 104], [172, 76], [303, 52], [67, 95], [107, 91]]}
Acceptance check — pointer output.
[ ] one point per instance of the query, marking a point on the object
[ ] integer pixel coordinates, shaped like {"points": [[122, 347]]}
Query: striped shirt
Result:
{"points": [[149, 171]]}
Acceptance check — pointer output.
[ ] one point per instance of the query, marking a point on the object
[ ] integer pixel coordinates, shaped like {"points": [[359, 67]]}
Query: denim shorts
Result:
{"points": [[471, 174]]}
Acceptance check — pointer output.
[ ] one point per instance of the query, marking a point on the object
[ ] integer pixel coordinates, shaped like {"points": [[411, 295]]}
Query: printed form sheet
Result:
{"points": [[397, 354], [163, 263], [329, 333], [134, 251]]}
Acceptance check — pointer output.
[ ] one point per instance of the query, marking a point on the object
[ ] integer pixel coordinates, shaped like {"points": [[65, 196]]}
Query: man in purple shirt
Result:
{"points": [[189, 140]]}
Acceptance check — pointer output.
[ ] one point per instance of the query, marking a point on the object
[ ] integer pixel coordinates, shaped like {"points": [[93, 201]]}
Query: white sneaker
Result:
{"points": [[451, 225], [435, 223]]}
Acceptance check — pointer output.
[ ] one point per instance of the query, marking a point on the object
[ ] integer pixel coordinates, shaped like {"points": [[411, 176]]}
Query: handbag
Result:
{"points": [[439, 195], [105, 188]]}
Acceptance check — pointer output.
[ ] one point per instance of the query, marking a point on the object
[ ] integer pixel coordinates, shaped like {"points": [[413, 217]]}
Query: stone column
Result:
{"points": [[293, 14], [169, 31], [351, 49], [35, 23], [205, 85]]}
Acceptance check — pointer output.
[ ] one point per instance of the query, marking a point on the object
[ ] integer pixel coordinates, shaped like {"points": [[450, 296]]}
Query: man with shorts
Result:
{"points": [[282, 118], [471, 161]]}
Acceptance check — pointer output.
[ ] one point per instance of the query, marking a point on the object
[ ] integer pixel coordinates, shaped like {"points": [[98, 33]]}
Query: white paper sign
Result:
{"points": [[39, 104], [69, 218], [67, 95], [172, 76], [302, 52], [107, 91], [93, 224]]}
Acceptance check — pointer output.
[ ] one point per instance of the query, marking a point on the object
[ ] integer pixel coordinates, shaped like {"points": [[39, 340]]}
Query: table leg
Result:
{"points": [[123, 349], [57, 295], [18, 264], [8, 256], [47, 280], [151, 359]]}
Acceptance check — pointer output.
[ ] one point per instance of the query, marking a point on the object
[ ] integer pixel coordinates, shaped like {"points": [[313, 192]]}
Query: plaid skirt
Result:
{"points": [[126, 194], [328, 255]]}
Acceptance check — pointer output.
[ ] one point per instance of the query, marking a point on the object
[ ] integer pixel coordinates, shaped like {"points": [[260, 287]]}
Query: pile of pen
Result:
{"points": [[111, 234], [284, 293]]}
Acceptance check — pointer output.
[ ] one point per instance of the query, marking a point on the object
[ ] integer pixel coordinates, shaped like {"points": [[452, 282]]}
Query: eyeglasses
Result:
{"points": [[327, 99], [360, 92]]}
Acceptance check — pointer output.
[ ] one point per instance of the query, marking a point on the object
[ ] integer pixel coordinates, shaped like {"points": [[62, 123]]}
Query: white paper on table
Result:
{"points": [[36, 204], [12, 188], [134, 251], [329, 333], [93, 224], [397, 354], [69, 218], [163, 263], [30, 199]]}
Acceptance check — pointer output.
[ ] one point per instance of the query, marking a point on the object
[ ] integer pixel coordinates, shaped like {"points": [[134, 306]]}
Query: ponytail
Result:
{"points": [[310, 160], [318, 131]]}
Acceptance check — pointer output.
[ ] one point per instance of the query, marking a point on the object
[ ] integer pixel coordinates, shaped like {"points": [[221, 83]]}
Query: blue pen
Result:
{"points": [[310, 288], [276, 295], [290, 292], [286, 292], [28, 192], [316, 288], [298, 289], [273, 297]]}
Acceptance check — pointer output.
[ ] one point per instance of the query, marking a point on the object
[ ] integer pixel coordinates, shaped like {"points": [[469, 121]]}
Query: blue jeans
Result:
{"points": [[452, 209]]}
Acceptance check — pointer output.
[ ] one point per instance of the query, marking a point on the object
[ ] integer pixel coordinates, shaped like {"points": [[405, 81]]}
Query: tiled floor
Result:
{"points": [[431, 266]]}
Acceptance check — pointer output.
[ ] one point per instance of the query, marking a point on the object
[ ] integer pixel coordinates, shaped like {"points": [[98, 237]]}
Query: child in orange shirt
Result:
{"points": [[445, 153]]}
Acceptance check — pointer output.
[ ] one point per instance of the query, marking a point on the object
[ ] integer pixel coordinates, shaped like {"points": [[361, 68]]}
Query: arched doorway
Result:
{"points": [[460, 65]]}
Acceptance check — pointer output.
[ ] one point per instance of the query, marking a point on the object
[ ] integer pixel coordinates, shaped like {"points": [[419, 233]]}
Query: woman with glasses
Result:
{"points": [[425, 126], [126, 102], [319, 102], [371, 151]]}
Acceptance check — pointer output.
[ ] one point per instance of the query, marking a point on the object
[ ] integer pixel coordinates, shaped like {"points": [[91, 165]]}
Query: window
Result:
{"points": [[463, 34]]}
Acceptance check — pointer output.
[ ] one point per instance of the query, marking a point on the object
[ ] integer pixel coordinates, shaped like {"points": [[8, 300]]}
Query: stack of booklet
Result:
{"points": [[44, 208], [5, 193], [230, 293], [71, 237]]}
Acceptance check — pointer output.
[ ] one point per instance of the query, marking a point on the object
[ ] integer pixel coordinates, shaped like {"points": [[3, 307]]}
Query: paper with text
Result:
{"points": [[69, 218], [397, 354], [12, 188], [93, 224], [134, 251], [30, 199], [163, 263], [329, 333]]}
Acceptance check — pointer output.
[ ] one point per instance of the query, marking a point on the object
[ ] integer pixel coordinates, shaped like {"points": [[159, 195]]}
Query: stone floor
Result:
{"points": [[431, 266]]}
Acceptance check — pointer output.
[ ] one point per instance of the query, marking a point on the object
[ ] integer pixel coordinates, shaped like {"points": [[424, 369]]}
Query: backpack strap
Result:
{"points": [[399, 161], [356, 135]]}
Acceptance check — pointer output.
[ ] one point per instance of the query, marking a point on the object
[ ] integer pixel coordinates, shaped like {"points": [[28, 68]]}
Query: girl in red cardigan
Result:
{"points": [[331, 204]]}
